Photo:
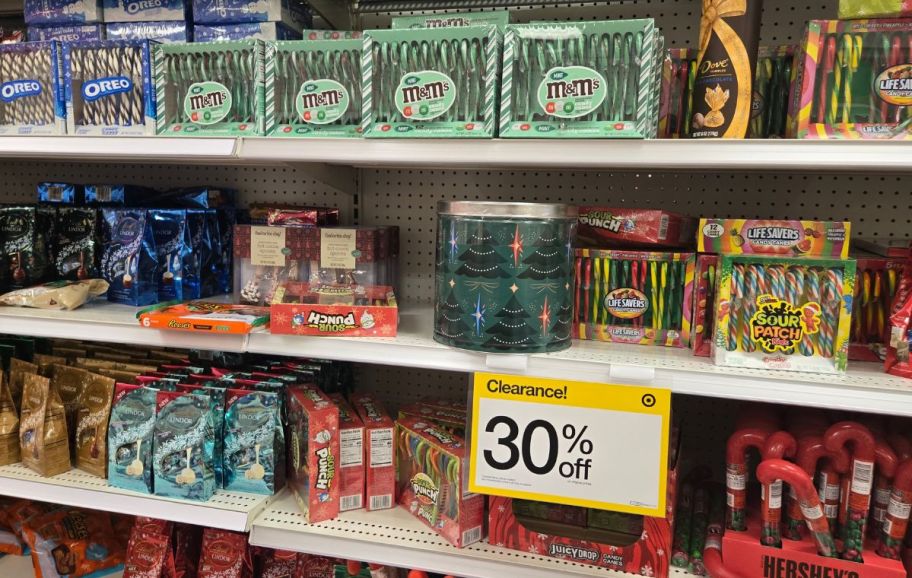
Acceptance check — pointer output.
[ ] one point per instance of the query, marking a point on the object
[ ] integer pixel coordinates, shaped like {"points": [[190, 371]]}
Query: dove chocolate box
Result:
{"points": [[130, 438], [254, 457], [183, 460]]}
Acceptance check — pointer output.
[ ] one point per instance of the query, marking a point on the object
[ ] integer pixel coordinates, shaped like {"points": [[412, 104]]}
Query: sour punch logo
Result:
{"points": [[326, 323], [326, 469], [92, 90], [571, 91], [15, 89], [780, 326], [426, 493]]}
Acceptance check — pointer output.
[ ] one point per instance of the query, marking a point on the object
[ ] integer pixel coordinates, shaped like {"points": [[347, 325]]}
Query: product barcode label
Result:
{"points": [[812, 512], [881, 495], [831, 493], [663, 227], [831, 510], [862, 477], [350, 502], [381, 502], [775, 497], [888, 526], [899, 509], [879, 513], [735, 481], [381, 447], [471, 535]]}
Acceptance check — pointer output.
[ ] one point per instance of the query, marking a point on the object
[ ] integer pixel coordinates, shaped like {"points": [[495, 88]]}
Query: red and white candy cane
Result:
{"points": [[780, 444], [896, 520], [770, 471], [856, 499], [887, 462], [811, 452], [736, 474]]}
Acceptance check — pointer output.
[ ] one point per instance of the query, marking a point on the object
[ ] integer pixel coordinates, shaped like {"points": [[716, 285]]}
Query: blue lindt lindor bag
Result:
{"points": [[172, 250], [183, 453], [216, 419], [130, 438], [128, 259], [254, 442]]}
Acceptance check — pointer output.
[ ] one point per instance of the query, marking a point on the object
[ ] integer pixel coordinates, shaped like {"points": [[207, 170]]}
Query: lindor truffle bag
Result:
{"points": [[43, 428], [70, 383], [130, 438], [9, 426], [92, 425], [183, 460]]}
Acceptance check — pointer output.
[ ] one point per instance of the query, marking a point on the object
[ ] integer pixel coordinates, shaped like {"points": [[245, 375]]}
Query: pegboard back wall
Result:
{"points": [[783, 20], [876, 205], [276, 184]]}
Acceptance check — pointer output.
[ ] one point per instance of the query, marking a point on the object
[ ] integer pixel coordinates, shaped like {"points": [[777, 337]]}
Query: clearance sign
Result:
{"points": [[570, 442]]}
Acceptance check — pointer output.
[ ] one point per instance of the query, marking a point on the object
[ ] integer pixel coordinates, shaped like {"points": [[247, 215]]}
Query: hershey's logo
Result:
{"points": [[774, 567]]}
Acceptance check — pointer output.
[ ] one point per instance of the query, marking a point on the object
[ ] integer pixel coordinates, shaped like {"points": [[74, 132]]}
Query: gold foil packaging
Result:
{"points": [[42, 429], [92, 426], [9, 427]]}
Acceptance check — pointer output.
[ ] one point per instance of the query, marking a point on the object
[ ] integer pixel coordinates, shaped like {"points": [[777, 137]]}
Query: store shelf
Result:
{"points": [[781, 155], [103, 321], [226, 510], [21, 567], [396, 538]]}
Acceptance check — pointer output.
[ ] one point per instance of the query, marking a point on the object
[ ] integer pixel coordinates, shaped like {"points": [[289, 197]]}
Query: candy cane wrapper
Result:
{"points": [[33, 98], [774, 345]]}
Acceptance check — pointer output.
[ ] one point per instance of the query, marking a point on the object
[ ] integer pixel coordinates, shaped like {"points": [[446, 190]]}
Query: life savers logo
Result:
{"points": [[774, 567], [425, 95], [779, 326], [571, 91], [14, 89], [92, 90], [894, 85], [326, 469], [772, 235], [626, 303]]}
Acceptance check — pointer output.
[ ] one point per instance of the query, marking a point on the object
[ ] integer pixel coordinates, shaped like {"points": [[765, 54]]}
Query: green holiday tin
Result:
{"points": [[504, 276]]}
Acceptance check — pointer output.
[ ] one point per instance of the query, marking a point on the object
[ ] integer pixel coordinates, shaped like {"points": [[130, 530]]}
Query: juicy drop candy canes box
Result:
{"points": [[430, 83], [351, 452], [379, 451], [774, 237], [432, 481], [783, 313], [313, 454], [212, 88]]}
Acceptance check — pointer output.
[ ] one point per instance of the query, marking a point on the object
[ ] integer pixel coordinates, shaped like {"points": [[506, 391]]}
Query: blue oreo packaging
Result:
{"points": [[163, 32], [60, 194], [144, 10], [118, 195], [254, 442], [172, 250], [62, 11], [31, 93], [66, 33], [292, 12], [270, 31], [108, 88], [128, 260]]}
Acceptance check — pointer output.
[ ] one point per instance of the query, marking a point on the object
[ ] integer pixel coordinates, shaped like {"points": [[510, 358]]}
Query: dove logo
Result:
{"points": [[13, 89], [92, 90]]}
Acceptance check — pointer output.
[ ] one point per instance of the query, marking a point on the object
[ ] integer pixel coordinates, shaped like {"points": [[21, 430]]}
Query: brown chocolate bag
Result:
{"points": [[18, 369], [9, 427], [44, 362], [92, 426], [70, 383], [119, 375], [70, 352], [91, 364], [43, 437]]}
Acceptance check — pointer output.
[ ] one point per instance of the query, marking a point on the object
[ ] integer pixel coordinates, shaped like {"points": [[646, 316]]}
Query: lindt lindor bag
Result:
{"points": [[92, 426], [43, 438], [9, 427], [70, 383]]}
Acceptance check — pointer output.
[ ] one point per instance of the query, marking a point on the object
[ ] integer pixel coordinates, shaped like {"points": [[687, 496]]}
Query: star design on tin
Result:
{"points": [[479, 315], [454, 243], [452, 283], [545, 317], [514, 288], [517, 247]]}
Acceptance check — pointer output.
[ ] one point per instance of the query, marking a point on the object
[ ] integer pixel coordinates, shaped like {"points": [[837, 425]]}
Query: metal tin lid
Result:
{"points": [[520, 210]]}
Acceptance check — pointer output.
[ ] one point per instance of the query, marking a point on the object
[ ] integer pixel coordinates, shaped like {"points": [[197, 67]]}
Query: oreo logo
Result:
{"points": [[101, 87], [13, 89]]}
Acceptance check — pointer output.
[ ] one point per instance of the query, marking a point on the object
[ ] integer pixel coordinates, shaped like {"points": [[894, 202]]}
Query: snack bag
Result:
{"points": [[183, 446], [9, 430], [224, 555], [92, 426], [147, 555], [43, 428], [18, 369], [9, 541], [69, 542], [70, 382]]}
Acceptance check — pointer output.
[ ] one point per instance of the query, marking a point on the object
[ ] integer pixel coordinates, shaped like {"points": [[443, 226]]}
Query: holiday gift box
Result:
{"points": [[108, 88], [623, 228], [337, 262], [634, 297], [876, 284], [317, 88], [504, 277], [313, 434], [334, 312], [432, 482], [774, 88], [774, 237], [206, 317], [856, 80], [214, 88], [379, 450], [851, 9], [704, 304], [144, 11], [678, 74], [165, 32], [267, 31], [604, 540], [499, 18], [581, 80], [783, 313], [43, 12], [351, 456], [32, 89], [430, 83], [72, 33]]}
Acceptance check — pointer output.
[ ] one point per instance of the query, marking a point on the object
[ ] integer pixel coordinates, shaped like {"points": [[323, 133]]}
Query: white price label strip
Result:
{"points": [[582, 444]]}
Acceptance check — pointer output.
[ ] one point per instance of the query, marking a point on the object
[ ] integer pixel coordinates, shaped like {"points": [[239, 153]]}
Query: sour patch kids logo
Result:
{"points": [[780, 326]]}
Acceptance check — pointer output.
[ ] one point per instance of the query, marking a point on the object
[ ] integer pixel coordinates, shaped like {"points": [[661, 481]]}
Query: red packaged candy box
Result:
{"points": [[623, 228], [313, 434], [351, 452], [379, 451]]}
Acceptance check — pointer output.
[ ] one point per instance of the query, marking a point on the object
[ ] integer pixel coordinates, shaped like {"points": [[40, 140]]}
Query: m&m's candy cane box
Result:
{"points": [[432, 481], [783, 313]]}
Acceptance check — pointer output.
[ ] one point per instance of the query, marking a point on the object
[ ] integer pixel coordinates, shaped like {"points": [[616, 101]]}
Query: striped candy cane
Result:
{"points": [[832, 297], [736, 302], [812, 283]]}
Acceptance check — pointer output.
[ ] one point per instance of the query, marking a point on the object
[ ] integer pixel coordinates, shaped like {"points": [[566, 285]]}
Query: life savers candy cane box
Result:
{"points": [[351, 452], [313, 452], [774, 237], [381, 470]]}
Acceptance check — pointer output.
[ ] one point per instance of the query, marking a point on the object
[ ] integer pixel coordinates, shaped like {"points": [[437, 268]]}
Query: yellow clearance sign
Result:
{"points": [[583, 444]]}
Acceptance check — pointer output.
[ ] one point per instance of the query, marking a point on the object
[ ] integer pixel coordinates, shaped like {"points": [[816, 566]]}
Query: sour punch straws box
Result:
{"points": [[381, 471], [313, 437]]}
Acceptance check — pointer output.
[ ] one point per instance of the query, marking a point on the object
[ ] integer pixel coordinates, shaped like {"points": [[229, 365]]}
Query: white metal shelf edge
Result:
{"points": [[226, 510], [102, 148]]}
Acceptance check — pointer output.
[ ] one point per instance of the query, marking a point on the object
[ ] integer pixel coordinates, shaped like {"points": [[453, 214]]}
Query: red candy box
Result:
{"points": [[381, 471], [623, 228], [313, 438]]}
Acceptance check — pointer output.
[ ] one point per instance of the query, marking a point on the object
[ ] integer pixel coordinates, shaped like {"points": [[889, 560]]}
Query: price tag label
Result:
{"points": [[569, 442]]}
